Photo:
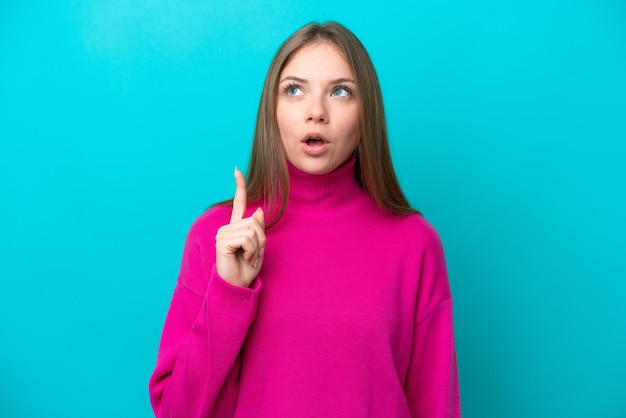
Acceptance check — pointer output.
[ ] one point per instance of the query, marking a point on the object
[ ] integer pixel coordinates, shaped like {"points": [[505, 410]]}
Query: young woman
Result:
{"points": [[317, 291]]}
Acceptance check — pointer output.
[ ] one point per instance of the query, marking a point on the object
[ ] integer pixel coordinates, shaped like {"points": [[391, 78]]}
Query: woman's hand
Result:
{"points": [[239, 245]]}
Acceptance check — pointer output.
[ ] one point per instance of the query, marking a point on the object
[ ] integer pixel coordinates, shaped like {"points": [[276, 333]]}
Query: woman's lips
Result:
{"points": [[314, 143], [314, 148]]}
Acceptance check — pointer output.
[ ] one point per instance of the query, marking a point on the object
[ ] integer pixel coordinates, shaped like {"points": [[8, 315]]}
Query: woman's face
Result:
{"points": [[317, 109]]}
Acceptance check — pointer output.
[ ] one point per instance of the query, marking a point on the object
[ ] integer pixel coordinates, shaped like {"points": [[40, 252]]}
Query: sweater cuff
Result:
{"points": [[234, 290]]}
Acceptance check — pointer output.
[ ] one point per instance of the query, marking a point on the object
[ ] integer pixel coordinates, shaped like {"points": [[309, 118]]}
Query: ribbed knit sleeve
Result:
{"points": [[206, 325], [431, 387]]}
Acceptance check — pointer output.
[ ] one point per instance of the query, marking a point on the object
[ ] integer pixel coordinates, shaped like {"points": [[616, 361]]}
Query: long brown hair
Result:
{"points": [[268, 179]]}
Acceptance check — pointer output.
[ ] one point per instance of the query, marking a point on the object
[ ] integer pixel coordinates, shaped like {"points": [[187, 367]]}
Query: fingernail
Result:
{"points": [[262, 252], [235, 171], [256, 263]]}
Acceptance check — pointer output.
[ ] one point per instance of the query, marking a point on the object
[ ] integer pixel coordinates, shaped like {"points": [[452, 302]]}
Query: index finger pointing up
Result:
{"points": [[240, 199]]}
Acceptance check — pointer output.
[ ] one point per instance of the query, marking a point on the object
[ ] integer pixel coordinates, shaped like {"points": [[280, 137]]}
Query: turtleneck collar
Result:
{"points": [[324, 194]]}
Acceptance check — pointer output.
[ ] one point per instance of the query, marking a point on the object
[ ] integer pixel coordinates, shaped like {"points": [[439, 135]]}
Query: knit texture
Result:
{"points": [[350, 316]]}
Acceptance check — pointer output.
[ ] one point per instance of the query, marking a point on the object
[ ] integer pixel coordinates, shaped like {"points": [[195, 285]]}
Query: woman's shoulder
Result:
{"points": [[418, 222], [210, 221], [416, 228]]}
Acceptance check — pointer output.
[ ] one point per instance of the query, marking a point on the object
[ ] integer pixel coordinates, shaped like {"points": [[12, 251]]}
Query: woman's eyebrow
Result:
{"points": [[290, 77], [335, 81], [342, 80]]}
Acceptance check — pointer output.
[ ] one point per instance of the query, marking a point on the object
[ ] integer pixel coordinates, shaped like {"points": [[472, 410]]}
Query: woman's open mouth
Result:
{"points": [[314, 144], [314, 140]]}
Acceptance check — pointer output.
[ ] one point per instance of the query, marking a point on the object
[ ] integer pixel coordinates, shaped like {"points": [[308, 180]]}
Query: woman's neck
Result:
{"points": [[323, 194]]}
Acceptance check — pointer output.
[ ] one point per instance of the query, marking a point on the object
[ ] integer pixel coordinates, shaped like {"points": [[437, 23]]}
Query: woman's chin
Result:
{"points": [[316, 167]]}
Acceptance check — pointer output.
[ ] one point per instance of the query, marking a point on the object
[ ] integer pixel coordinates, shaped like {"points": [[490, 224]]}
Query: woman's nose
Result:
{"points": [[317, 111]]}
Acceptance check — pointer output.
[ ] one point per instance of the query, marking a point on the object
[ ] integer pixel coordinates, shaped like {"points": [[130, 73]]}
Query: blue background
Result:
{"points": [[121, 121]]}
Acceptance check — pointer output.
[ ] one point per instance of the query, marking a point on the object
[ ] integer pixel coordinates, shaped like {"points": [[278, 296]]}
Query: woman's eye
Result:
{"points": [[341, 92], [293, 90]]}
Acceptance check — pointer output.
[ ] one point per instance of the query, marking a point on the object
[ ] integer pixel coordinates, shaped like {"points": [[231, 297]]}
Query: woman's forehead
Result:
{"points": [[316, 61]]}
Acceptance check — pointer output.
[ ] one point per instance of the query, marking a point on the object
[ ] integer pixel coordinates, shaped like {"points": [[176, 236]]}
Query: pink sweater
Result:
{"points": [[350, 316]]}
